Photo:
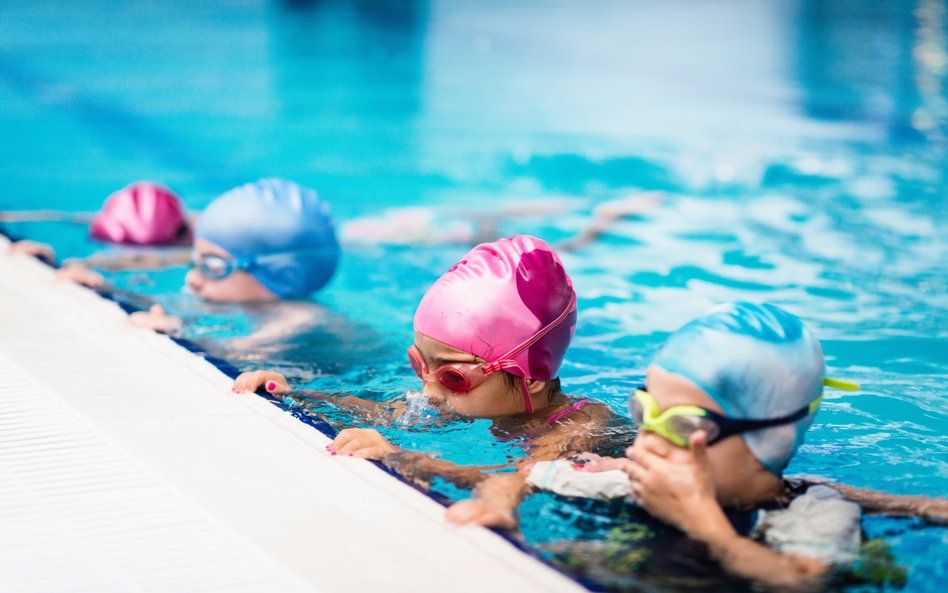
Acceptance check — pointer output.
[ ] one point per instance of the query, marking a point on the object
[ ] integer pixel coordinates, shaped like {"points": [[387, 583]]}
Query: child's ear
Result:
{"points": [[535, 387]]}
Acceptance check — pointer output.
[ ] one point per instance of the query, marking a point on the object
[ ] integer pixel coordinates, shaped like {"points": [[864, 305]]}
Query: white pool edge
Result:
{"points": [[260, 477]]}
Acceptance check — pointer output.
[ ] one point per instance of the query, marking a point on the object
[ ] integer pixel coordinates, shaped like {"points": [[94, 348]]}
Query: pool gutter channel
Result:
{"points": [[259, 475]]}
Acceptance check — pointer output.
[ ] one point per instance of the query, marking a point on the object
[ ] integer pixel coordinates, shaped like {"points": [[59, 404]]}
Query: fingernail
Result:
{"points": [[350, 454], [271, 386], [333, 453]]}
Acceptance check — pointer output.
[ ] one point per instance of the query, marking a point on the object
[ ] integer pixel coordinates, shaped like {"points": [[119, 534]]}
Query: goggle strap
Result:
{"points": [[500, 362], [815, 404], [527, 400], [841, 384]]}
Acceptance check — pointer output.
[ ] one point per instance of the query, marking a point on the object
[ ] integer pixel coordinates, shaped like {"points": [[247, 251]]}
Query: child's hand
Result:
{"points": [[475, 511], [80, 274], [674, 484], [366, 443], [157, 320], [590, 462], [252, 381], [35, 249]]}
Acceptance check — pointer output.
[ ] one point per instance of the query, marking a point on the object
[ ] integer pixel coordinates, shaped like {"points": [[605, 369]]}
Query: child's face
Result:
{"points": [[733, 467], [493, 398], [236, 287]]}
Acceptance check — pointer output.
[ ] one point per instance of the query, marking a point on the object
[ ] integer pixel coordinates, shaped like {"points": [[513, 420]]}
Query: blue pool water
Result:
{"points": [[800, 146]]}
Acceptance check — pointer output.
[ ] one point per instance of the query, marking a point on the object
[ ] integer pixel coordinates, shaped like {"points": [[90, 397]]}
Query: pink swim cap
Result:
{"points": [[143, 213], [509, 302]]}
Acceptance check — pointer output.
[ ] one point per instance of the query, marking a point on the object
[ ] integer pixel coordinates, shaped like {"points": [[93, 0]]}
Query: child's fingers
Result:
{"points": [[275, 383], [244, 383], [638, 493], [698, 446], [369, 453], [608, 464], [35, 249], [347, 440], [462, 512], [639, 456], [636, 473]]}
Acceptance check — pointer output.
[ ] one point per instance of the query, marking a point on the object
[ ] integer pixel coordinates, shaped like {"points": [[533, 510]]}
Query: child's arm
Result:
{"points": [[152, 259], [682, 493], [931, 509], [495, 501], [420, 468], [607, 214], [45, 216], [496, 498], [275, 384]]}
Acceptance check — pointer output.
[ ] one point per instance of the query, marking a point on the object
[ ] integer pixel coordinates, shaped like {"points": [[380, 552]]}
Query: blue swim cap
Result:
{"points": [[283, 227], [756, 361]]}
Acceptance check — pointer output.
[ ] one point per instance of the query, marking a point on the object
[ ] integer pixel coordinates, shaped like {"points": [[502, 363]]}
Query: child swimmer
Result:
{"points": [[490, 336], [141, 214], [266, 241], [756, 372]]}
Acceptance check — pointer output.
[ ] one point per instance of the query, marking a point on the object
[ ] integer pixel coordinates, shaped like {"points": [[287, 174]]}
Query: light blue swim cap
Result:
{"points": [[756, 361], [283, 228]]}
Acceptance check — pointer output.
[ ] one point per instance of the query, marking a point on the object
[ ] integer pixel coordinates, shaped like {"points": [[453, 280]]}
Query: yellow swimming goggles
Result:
{"points": [[678, 423]]}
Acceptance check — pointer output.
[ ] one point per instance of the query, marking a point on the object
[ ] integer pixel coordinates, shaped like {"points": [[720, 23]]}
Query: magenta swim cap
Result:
{"points": [[509, 302], [143, 213]]}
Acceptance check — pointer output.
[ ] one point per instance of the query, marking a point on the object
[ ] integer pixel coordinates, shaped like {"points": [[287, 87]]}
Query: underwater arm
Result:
{"points": [[80, 270], [285, 320], [146, 260], [420, 468], [276, 385], [743, 557], [607, 214], [931, 509], [45, 216], [495, 502], [497, 497]]}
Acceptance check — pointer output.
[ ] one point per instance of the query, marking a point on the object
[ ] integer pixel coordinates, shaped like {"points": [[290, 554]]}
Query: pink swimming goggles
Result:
{"points": [[463, 377]]}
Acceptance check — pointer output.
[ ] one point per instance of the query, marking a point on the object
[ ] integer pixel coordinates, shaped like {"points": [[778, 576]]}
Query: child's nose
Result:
{"points": [[431, 390], [194, 279]]}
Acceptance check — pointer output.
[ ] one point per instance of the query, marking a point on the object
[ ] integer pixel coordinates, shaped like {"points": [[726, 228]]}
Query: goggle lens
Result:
{"points": [[213, 267], [417, 364], [452, 377], [685, 426], [454, 380], [638, 413]]}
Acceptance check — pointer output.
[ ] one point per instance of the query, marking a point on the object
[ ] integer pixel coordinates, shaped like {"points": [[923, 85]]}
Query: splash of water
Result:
{"points": [[419, 410]]}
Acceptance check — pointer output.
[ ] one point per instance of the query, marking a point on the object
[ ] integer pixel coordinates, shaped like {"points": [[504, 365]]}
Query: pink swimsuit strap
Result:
{"points": [[556, 417]]}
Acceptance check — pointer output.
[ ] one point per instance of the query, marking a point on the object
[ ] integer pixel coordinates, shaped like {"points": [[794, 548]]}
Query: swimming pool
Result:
{"points": [[801, 147]]}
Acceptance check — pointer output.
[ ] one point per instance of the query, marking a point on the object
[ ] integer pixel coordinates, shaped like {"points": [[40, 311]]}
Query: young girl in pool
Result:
{"points": [[142, 214], [490, 336], [728, 399], [259, 242]]}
